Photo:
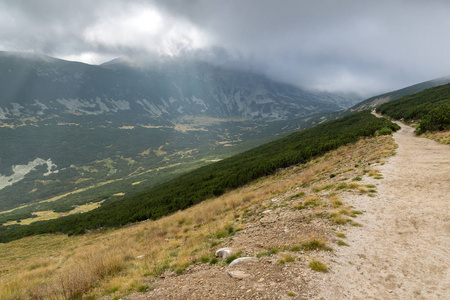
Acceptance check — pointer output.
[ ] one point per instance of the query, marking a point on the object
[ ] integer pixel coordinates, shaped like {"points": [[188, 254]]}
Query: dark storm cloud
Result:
{"points": [[364, 45], [340, 45]]}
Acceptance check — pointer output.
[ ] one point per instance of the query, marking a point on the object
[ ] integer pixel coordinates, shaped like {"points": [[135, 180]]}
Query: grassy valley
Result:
{"points": [[105, 162], [214, 179]]}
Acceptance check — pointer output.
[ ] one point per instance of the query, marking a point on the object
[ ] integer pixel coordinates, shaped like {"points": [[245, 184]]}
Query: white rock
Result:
{"points": [[241, 260], [224, 253]]}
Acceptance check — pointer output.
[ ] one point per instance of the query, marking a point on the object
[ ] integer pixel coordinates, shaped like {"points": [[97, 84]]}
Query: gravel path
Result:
{"points": [[402, 249]]}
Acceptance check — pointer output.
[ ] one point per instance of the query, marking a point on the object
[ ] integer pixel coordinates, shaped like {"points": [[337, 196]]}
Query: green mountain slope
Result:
{"points": [[390, 96], [431, 106], [378, 100], [214, 179]]}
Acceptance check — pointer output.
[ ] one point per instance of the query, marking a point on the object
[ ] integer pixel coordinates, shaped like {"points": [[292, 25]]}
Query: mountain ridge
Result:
{"points": [[166, 88], [377, 100]]}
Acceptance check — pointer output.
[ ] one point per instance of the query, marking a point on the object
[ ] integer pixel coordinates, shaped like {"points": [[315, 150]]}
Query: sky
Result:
{"points": [[359, 46]]}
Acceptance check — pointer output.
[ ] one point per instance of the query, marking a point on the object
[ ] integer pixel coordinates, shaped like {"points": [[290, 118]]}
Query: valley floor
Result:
{"points": [[402, 250]]}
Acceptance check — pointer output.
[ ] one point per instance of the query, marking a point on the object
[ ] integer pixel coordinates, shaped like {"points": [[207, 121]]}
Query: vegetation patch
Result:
{"points": [[430, 107], [315, 245], [318, 266], [268, 253], [442, 137], [342, 243], [286, 258]]}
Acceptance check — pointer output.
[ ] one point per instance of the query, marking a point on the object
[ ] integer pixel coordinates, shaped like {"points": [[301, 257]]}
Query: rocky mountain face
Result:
{"points": [[40, 86]]}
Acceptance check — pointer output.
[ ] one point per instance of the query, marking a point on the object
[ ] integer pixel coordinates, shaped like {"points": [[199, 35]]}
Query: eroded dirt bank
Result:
{"points": [[402, 250]]}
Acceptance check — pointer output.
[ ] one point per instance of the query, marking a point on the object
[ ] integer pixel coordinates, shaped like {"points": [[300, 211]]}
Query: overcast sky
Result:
{"points": [[360, 46]]}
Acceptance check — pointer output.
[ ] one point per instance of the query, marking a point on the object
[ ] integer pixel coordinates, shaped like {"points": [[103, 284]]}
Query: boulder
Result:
{"points": [[241, 260], [223, 253]]}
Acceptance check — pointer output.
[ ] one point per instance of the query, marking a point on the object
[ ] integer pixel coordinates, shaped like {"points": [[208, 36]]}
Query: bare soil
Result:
{"points": [[402, 250]]}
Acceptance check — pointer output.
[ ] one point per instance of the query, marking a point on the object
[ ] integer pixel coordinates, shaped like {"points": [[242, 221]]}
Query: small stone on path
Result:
{"points": [[238, 274]]}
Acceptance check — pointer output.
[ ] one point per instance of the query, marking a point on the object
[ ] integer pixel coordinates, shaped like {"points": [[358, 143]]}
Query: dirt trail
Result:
{"points": [[403, 249]]}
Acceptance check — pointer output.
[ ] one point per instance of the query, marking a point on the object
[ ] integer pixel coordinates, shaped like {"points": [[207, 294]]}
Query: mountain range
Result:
{"points": [[41, 86]]}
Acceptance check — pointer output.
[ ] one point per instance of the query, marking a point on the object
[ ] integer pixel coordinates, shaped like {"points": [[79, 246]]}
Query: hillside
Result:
{"points": [[285, 220], [429, 108], [214, 179], [384, 100], [294, 227], [390, 96]]}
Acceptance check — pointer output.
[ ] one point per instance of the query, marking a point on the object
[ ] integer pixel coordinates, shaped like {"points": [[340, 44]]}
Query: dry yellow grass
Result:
{"points": [[49, 214], [115, 262], [442, 137]]}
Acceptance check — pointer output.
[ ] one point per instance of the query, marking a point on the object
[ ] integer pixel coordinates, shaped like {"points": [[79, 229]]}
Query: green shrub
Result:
{"points": [[431, 106], [385, 131], [213, 261], [436, 120], [205, 259]]}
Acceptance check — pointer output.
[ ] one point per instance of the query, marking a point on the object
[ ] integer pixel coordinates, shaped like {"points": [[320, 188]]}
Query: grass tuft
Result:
{"points": [[142, 288], [318, 266], [268, 253], [315, 245], [342, 243]]}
